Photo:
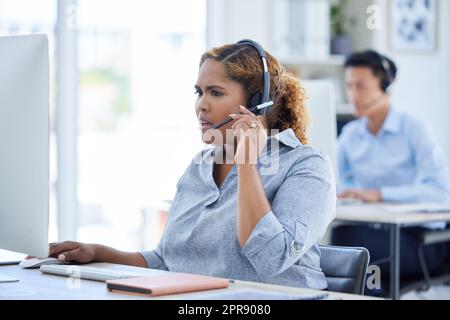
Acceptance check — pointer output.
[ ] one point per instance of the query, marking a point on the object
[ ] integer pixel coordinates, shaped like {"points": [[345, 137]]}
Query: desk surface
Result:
{"points": [[34, 285], [380, 213]]}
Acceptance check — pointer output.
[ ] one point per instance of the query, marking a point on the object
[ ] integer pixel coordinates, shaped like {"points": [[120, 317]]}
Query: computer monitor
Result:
{"points": [[342, 120], [322, 108], [24, 144]]}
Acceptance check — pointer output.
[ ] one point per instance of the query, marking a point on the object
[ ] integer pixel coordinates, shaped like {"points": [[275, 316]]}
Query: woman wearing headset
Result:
{"points": [[387, 155], [231, 217]]}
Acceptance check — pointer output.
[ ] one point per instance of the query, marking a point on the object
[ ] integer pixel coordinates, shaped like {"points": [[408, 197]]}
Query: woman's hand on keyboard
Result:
{"points": [[70, 251]]}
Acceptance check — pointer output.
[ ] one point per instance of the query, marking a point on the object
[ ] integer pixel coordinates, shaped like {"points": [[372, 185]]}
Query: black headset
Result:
{"points": [[260, 98], [388, 77]]}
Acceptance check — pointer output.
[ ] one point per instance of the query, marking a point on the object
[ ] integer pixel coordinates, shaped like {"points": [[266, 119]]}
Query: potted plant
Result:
{"points": [[341, 23]]}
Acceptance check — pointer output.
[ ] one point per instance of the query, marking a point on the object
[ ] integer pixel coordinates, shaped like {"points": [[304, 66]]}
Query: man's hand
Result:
{"points": [[364, 195]]}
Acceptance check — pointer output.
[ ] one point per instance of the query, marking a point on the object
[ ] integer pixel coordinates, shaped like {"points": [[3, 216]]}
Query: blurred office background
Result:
{"points": [[123, 127]]}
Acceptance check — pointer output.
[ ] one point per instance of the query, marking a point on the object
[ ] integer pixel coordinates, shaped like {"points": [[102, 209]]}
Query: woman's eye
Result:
{"points": [[216, 93], [198, 93]]}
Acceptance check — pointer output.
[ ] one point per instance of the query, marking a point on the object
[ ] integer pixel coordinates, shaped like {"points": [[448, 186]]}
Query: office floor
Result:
{"points": [[439, 292]]}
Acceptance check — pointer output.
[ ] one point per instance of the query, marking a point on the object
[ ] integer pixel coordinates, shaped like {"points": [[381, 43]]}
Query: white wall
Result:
{"points": [[229, 21], [423, 83], [265, 21]]}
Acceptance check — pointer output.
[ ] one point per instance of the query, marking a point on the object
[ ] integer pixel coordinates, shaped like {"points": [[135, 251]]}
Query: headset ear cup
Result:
{"points": [[255, 100], [387, 78], [386, 83]]}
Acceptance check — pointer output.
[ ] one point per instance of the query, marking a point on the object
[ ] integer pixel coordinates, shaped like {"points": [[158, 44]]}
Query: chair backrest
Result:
{"points": [[345, 268]]}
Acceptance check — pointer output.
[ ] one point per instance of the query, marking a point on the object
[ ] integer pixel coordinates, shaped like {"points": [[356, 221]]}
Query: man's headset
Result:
{"points": [[260, 102], [388, 77]]}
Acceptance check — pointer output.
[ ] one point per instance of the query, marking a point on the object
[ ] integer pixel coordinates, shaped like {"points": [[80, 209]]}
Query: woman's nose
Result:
{"points": [[202, 105]]}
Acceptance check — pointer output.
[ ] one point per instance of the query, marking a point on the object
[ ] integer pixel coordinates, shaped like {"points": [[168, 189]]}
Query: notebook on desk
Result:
{"points": [[173, 283]]}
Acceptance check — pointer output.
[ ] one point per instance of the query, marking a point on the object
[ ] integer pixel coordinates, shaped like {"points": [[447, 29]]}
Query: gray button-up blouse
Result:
{"points": [[200, 234]]}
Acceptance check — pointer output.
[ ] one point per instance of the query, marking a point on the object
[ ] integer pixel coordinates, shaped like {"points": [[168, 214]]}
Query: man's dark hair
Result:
{"points": [[381, 66]]}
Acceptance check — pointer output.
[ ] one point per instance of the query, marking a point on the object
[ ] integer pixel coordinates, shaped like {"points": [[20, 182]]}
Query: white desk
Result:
{"points": [[34, 285], [378, 213]]}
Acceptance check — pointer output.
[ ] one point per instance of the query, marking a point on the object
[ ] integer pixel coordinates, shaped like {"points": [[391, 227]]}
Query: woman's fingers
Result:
{"points": [[245, 111], [54, 252], [56, 248], [251, 122], [242, 123], [69, 251], [251, 142], [252, 116], [67, 256]]}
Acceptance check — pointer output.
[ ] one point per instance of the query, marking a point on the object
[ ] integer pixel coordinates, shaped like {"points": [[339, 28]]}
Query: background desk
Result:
{"points": [[38, 286], [378, 213]]}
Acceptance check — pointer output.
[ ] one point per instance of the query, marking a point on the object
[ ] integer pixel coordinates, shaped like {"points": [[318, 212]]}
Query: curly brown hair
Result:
{"points": [[243, 65]]}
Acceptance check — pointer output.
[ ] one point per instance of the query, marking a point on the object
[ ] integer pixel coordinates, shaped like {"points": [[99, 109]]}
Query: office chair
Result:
{"points": [[442, 275], [345, 268]]}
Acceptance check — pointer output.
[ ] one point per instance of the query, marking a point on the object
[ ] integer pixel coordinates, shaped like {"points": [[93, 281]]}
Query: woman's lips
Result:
{"points": [[205, 126]]}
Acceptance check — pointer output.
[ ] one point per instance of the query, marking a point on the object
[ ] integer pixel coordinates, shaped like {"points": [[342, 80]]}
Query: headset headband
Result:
{"points": [[266, 75], [388, 75]]}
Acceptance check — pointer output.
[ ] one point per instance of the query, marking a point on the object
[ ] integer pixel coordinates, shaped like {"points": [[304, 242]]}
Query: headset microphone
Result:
{"points": [[253, 110], [374, 101]]}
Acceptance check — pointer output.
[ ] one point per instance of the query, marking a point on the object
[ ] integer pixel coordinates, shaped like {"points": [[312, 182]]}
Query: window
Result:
{"points": [[138, 63], [137, 132]]}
